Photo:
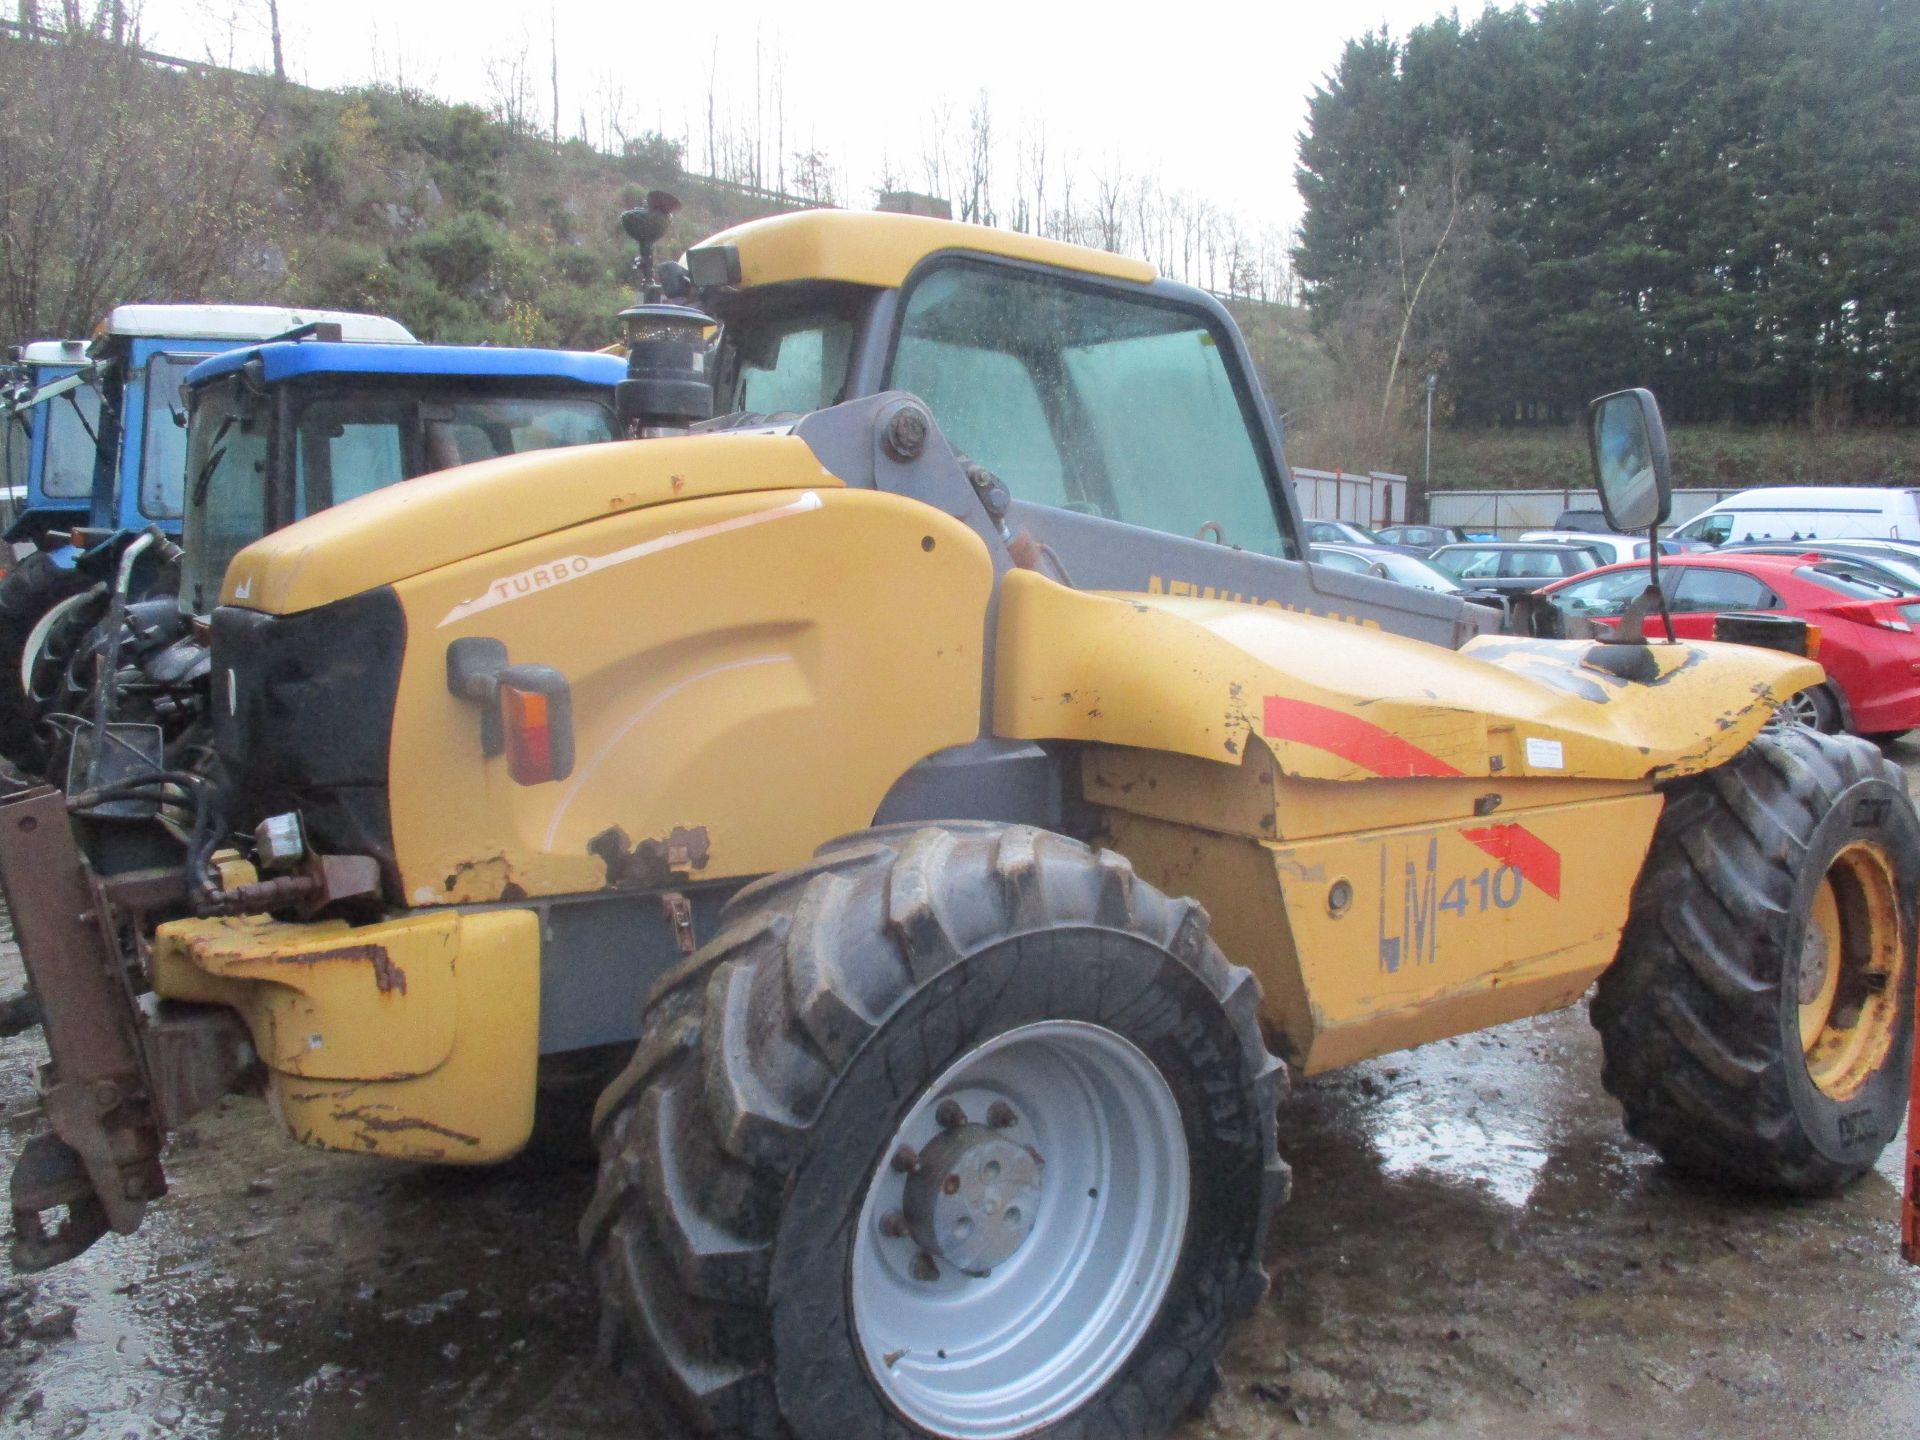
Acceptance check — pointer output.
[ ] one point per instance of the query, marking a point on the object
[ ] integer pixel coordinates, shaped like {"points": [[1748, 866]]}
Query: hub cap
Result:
{"points": [[1019, 1236], [1851, 972]]}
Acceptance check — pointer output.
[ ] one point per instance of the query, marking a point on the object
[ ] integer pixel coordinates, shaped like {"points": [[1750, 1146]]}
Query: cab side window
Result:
{"points": [[1093, 401]]}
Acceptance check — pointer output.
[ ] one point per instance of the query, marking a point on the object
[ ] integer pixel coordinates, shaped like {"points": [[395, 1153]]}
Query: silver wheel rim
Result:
{"points": [[978, 1358], [1801, 708]]}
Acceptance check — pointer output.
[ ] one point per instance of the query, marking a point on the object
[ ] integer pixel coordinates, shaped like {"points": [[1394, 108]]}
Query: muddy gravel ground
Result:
{"points": [[1474, 1249]]}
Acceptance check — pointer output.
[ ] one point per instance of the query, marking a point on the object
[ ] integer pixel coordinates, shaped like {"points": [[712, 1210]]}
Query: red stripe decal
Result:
{"points": [[1515, 845], [1352, 739]]}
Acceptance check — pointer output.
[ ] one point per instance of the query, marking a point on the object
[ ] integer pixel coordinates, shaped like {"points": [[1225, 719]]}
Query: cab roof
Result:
{"points": [[244, 322], [288, 359], [881, 249], [54, 352]]}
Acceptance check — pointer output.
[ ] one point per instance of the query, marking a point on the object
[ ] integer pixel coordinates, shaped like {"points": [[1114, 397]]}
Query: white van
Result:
{"points": [[1807, 512]]}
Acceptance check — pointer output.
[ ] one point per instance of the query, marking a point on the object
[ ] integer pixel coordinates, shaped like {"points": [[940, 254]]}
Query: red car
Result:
{"points": [[1868, 639]]}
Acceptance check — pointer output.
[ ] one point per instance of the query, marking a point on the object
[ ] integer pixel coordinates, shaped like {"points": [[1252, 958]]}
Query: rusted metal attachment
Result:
{"points": [[906, 434], [102, 1160], [680, 916], [118, 1076], [323, 880]]}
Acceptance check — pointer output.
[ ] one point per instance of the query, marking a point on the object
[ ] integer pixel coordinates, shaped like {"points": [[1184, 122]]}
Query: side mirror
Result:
{"points": [[1631, 468]]}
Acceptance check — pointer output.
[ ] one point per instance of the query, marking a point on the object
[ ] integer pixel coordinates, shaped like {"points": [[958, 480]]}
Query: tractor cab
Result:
{"points": [[1114, 415], [142, 355], [283, 430], [49, 446]]}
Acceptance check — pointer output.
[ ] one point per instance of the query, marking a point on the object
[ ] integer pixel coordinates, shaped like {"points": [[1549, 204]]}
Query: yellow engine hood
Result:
{"points": [[441, 519], [1336, 702]]}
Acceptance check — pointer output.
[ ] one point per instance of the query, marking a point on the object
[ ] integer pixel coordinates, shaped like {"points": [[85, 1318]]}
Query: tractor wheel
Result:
{"points": [[1758, 1021], [958, 1131], [29, 590]]}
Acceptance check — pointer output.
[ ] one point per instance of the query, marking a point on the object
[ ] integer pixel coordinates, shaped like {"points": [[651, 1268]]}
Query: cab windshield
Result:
{"points": [[337, 445], [1080, 397]]}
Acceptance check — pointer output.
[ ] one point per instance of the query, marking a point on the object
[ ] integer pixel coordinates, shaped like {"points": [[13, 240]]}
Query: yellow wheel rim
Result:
{"points": [[1851, 972]]}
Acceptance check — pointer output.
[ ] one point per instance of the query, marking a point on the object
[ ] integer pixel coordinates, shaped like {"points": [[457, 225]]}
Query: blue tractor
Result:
{"points": [[105, 425], [117, 676], [52, 419]]}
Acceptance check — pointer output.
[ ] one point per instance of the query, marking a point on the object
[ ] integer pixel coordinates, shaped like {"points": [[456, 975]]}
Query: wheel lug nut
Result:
{"points": [[923, 1267], [950, 1185], [894, 1224], [1000, 1115], [950, 1115], [906, 1160]]}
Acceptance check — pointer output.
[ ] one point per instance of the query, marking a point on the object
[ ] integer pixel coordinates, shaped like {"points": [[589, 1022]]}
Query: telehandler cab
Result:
{"points": [[945, 767]]}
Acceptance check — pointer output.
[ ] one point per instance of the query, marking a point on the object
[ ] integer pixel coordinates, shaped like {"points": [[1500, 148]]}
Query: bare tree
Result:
{"points": [[510, 94], [1110, 188], [1438, 202], [976, 174], [117, 183], [713, 84], [933, 157]]}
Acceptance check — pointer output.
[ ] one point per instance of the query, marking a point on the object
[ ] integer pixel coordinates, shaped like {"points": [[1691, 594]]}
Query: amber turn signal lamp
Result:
{"points": [[528, 720]]}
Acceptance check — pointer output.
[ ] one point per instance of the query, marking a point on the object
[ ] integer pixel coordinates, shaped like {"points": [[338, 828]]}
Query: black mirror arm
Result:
{"points": [[1653, 579]]}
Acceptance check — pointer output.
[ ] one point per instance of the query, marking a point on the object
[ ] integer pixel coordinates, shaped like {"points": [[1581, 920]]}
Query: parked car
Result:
{"points": [[1585, 522], [1514, 567], [1612, 548], [1885, 565], [1425, 538], [1345, 532], [1807, 512], [1867, 630], [1385, 564]]}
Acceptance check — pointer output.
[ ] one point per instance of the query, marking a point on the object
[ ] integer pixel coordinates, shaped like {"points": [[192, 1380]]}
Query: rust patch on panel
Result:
{"points": [[653, 863], [369, 1122], [387, 975]]}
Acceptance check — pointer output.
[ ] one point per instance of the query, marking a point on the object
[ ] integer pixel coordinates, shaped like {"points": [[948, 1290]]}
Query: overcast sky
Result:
{"points": [[1209, 98]]}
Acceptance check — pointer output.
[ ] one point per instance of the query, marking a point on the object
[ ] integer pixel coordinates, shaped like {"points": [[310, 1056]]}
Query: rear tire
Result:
{"points": [[1758, 1022], [745, 1151]]}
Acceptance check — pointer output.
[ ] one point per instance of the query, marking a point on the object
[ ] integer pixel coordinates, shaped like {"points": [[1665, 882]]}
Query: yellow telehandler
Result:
{"points": [[944, 781]]}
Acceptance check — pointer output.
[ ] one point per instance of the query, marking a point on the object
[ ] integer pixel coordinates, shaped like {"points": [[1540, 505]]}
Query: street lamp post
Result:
{"points": [[1432, 380]]}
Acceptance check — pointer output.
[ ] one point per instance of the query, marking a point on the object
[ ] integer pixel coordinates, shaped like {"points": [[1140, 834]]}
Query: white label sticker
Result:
{"points": [[1545, 755]]}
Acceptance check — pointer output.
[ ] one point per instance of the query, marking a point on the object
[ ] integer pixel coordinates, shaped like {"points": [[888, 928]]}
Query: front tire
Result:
{"points": [[838, 1105], [1758, 1022], [28, 591]]}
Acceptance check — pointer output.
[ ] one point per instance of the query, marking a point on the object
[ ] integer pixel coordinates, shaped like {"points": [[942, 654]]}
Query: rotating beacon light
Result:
{"points": [[666, 390]]}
